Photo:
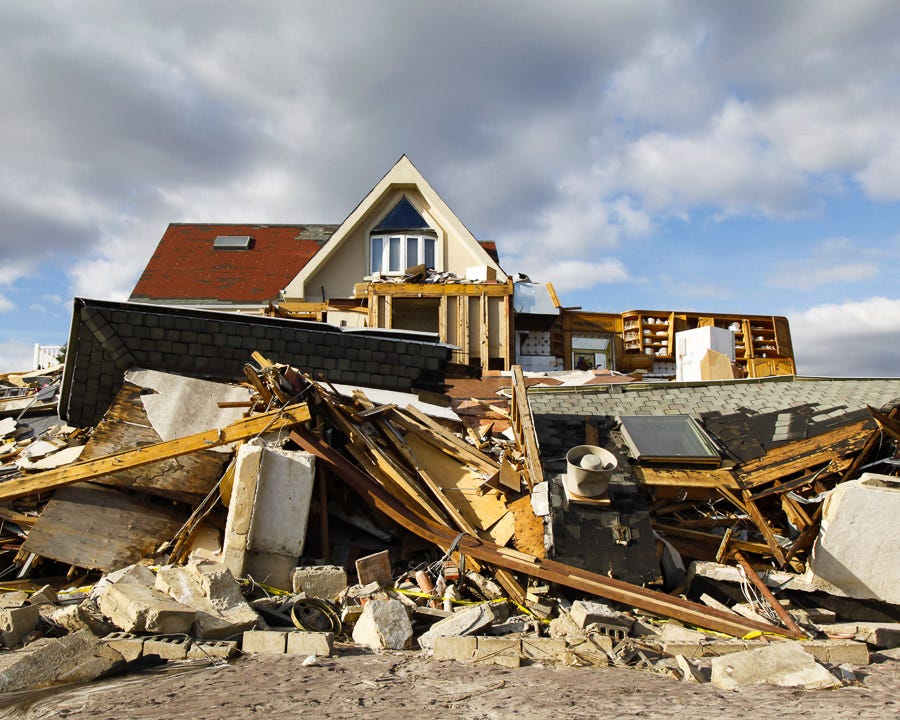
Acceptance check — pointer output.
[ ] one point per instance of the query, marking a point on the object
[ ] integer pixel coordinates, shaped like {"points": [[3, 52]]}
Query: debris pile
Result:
{"points": [[291, 515]]}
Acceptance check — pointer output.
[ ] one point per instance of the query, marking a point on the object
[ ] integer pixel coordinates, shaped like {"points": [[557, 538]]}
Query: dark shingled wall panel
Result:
{"points": [[108, 338]]}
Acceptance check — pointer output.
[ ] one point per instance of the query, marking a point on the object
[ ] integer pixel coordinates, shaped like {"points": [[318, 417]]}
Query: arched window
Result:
{"points": [[401, 240]]}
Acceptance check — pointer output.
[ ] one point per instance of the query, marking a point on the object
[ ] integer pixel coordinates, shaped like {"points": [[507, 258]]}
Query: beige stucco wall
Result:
{"points": [[348, 263]]}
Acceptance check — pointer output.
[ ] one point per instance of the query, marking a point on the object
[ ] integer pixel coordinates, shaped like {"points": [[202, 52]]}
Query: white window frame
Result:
{"points": [[400, 242]]}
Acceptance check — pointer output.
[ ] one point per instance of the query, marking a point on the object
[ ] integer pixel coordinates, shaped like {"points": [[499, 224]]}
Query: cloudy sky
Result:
{"points": [[727, 157]]}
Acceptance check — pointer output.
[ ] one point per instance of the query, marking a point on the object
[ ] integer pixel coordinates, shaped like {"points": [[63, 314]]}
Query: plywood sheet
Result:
{"points": [[100, 528]]}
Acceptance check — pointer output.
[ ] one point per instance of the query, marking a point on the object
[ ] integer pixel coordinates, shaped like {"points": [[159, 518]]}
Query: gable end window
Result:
{"points": [[392, 254]]}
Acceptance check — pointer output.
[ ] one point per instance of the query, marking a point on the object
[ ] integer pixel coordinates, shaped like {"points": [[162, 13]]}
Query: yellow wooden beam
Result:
{"points": [[92, 469]]}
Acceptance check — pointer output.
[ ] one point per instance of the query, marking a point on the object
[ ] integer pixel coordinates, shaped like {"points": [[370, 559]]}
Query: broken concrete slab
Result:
{"points": [[565, 628], [505, 652], [76, 657], [16, 623], [83, 616], [319, 581], [141, 609], [138, 574], [212, 591], [585, 613], [785, 664], [827, 651], [858, 546], [384, 625], [465, 622], [879, 635], [310, 643], [267, 516]]}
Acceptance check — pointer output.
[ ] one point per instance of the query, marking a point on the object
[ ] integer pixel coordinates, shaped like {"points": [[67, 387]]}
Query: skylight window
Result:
{"points": [[668, 438], [232, 242]]}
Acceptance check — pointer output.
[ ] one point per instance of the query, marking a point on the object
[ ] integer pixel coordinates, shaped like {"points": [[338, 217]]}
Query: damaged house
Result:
{"points": [[274, 447]]}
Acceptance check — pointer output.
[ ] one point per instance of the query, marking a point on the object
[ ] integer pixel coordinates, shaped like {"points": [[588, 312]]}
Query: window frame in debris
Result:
{"points": [[668, 439], [394, 251]]}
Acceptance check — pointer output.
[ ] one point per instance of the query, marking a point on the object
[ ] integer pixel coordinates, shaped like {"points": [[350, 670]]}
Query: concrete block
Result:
{"points": [[168, 647], [265, 642], [212, 591], [505, 652], [459, 647], [375, 568], [384, 625], [267, 516], [858, 546], [212, 649], [44, 596], [128, 645], [77, 657], [141, 609], [465, 622], [310, 643], [17, 623], [838, 652], [784, 664], [586, 613], [319, 581]]}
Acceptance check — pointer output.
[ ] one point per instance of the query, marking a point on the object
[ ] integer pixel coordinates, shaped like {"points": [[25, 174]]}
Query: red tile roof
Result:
{"points": [[186, 267]]}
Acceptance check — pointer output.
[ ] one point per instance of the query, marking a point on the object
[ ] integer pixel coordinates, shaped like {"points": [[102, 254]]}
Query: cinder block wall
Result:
{"points": [[108, 338]]}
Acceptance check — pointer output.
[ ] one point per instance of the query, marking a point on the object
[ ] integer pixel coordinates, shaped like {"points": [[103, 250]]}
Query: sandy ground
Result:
{"points": [[405, 685]]}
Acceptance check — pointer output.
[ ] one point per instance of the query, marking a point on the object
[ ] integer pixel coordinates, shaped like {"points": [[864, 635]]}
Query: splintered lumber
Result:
{"points": [[241, 430], [549, 570], [523, 427], [446, 440], [805, 455]]}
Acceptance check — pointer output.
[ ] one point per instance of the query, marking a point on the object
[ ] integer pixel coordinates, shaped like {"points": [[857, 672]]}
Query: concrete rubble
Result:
{"points": [[329, 522]]}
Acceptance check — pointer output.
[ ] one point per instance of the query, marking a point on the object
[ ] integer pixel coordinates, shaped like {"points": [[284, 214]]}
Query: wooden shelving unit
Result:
{"points": [[649, 333]]}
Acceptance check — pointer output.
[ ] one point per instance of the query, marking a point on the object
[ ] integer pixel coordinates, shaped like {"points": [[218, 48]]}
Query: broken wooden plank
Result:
{"points": [[806, 455], [91, 469], [523, 427], [444, 439], [548, 570]]}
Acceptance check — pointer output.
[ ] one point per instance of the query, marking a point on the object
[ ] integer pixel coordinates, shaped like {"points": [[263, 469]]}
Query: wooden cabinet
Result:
{"points": [[650, 333]]}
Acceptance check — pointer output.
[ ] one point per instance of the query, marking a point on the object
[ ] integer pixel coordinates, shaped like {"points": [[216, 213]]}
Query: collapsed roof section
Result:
{"points": [[108, 338]]}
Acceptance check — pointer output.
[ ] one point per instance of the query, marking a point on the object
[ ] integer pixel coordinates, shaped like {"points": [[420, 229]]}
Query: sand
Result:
{"points": [[406, 685]]}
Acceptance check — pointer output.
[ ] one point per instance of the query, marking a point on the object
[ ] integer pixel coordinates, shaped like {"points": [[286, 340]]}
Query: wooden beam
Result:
{"points": [[92, 469], [438, 289], [523, 427]]}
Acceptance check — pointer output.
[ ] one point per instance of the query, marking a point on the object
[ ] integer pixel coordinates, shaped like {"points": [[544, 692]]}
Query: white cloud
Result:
{"points": [[854, 338], [837, 260], [568, 275], [16, 356], [5, 304]]}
